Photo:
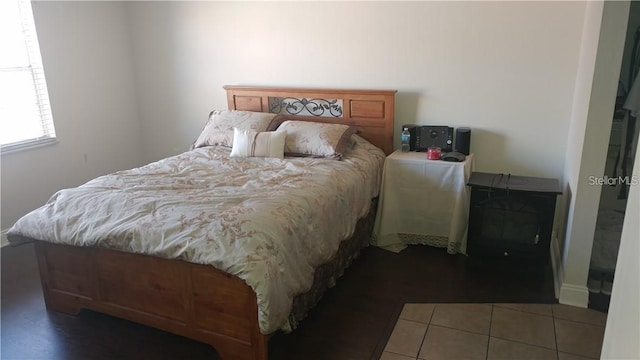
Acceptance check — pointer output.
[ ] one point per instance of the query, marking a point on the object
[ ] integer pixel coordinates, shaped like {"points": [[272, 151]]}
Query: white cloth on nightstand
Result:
{"points": [[423, 202]]}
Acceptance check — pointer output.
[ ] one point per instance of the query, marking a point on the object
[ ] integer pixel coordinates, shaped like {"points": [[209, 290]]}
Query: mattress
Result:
{"points": [[269, 221]]}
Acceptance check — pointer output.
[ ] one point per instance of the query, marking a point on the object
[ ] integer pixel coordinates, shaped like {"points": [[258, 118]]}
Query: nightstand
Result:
{"points": [[423, 202], [511, 216]]}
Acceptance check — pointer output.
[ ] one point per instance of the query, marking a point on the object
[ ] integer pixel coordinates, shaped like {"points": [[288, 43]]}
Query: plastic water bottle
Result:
{"points": [[404, 138]]}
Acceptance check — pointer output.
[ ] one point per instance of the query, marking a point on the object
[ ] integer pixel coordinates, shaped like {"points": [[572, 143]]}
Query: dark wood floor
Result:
{"points": [[353, 320]]}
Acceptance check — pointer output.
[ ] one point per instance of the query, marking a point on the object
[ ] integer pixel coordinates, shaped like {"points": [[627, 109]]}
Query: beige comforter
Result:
{"points": [[268, 221]]}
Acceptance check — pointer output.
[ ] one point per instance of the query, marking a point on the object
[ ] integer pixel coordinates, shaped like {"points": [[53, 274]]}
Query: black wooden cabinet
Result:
{"points": [[511, 216]]}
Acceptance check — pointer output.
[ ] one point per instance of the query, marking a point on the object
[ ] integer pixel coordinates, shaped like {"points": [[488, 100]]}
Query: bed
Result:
{"points": [[168, 278]]}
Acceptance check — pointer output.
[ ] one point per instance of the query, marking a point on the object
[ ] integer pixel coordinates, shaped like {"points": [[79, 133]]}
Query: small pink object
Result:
{"points": [[433, 153]]}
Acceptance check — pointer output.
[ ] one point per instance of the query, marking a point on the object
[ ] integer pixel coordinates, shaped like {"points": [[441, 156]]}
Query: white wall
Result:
{"points": [[600, 59], [87, 60], [506, 69]]}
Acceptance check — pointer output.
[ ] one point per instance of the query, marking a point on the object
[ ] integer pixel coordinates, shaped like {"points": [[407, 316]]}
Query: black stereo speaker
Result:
{"points": [[434, 136], [463, 140]]}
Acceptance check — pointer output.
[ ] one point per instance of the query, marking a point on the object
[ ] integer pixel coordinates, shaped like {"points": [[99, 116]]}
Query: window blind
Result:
{"points": [[25, 112]]}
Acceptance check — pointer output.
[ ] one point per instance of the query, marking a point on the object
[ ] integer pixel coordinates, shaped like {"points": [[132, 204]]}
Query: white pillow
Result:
{"points": [[249, 143]]}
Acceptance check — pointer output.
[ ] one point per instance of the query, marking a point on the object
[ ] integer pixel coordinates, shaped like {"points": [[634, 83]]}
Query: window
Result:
{"points": [[25, 113]]}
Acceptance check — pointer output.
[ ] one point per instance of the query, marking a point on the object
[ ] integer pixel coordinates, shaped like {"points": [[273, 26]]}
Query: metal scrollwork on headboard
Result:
{"points": [[302, 106]]}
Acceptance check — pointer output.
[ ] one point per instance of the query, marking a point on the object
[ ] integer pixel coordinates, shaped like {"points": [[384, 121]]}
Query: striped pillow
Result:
{"points": [[249, 143]]}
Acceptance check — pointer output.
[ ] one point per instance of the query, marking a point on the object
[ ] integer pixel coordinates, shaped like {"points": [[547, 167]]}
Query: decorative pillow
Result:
{"points": [[305, 138], [249, 143], [219, 128]]}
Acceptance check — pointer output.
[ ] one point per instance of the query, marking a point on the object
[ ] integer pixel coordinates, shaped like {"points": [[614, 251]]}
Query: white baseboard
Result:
{"points": [[567, 294], [574, 295], [3, 238]]}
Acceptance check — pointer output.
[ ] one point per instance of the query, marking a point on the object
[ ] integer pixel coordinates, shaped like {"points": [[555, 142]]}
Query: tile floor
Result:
{"points": [[496, 331]]}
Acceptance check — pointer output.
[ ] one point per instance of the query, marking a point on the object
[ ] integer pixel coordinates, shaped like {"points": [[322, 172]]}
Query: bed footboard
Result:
{"points": [[192, 300]]}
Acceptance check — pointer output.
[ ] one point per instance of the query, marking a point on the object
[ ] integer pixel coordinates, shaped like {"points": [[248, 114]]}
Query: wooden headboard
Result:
{"points": [[369, 111]]}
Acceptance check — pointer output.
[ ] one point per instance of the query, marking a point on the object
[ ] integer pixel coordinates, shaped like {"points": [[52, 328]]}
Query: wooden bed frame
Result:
{"points": [[369, 111], [193, 300]]}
